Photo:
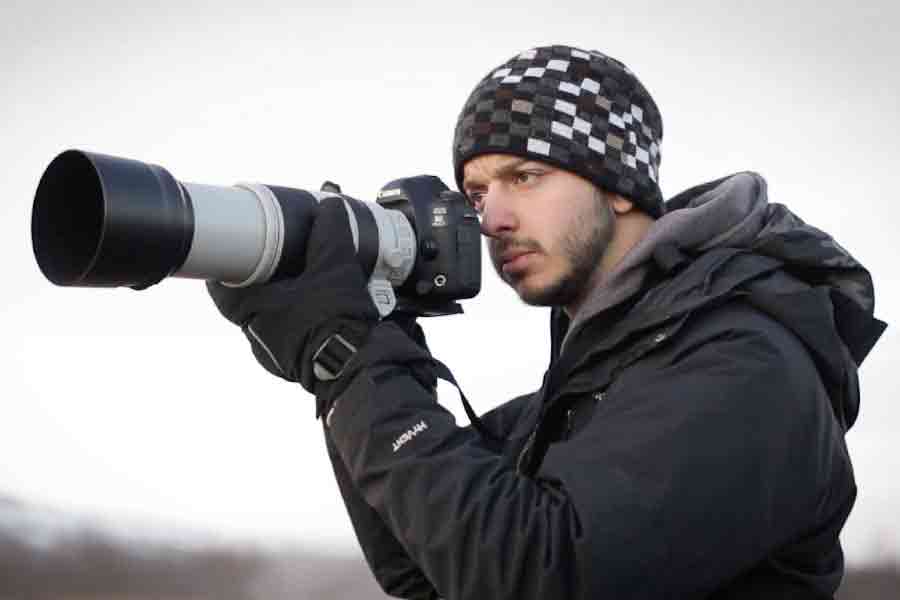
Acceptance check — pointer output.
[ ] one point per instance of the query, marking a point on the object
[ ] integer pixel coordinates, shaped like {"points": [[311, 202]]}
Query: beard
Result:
{"points": [[582, 246]]}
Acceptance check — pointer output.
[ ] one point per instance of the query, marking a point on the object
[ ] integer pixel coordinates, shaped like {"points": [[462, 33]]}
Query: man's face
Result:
{"points": [[548, 228]]}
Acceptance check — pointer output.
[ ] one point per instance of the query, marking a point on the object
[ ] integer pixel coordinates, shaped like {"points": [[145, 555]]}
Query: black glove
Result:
{"points": [[422, 371], [288, 321]]}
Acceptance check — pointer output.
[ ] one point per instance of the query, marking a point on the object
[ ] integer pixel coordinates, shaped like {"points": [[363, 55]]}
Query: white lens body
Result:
{"points": [[239, 234]]}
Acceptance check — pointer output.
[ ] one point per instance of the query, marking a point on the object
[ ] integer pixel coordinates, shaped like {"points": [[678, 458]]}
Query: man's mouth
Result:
{"points": [[512, 257], [516, 261]]}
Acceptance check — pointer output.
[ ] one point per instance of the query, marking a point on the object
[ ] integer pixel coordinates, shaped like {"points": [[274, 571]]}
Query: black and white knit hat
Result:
{"points": [[579, 110]]}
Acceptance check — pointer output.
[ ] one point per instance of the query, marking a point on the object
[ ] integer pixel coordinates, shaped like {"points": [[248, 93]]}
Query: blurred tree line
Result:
{"points": [[85, 564]]}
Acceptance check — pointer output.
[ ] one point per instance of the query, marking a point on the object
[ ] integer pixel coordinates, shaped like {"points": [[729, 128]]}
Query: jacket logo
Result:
{"points": [[410, 434]]}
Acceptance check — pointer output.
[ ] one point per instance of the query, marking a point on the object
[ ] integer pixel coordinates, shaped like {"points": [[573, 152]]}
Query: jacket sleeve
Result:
{"points": [[685, 476], [396, 573], [388, 560]]}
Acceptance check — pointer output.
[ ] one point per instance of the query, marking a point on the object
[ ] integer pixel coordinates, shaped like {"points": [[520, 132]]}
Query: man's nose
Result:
{"points": [[498, 214]]}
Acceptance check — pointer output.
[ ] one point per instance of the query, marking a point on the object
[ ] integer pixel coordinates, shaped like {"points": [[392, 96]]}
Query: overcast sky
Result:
{"points": [[150, 404]]}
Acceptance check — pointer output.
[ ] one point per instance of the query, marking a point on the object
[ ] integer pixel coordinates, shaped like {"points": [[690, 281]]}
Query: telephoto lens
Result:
{"points": [[100, 220]]}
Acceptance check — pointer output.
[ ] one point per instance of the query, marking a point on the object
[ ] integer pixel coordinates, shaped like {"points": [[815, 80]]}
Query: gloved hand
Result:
{"points": [[288, 321], [407, 322]]}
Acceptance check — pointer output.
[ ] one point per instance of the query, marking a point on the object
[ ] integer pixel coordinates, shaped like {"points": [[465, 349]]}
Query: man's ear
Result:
{"points": [[620, 204]]}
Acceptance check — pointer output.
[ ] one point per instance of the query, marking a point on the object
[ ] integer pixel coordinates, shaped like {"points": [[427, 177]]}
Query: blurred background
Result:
{"points": [[141, 441]]}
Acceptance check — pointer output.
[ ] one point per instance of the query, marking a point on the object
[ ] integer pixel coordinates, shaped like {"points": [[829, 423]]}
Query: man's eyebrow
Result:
{"points": [[504, 170]]}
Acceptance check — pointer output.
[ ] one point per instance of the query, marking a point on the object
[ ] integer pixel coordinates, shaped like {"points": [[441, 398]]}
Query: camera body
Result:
{"points": [[99, 220], [448, 243]]}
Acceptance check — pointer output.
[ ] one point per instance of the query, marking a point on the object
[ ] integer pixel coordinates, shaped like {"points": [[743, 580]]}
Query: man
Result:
{"points": [[687, 441]]}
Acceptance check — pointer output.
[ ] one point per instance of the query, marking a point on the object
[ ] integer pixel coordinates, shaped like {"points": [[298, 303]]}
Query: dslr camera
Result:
{"points": [[99, 220]]}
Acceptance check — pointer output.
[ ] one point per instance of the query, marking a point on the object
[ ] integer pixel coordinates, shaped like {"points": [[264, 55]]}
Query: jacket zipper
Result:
{"points": [[598, 397]]}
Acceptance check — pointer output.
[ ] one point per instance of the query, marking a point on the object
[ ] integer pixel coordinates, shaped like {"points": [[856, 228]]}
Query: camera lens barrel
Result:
{"points": [[100, 220], [238, 233], [103, 221]]}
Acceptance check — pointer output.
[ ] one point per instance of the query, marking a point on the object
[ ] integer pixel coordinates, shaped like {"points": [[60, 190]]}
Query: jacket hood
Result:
{"points": [[822, 294]]}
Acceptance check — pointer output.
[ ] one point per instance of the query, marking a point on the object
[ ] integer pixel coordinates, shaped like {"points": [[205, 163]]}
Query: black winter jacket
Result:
{"points": [[687, 443]]}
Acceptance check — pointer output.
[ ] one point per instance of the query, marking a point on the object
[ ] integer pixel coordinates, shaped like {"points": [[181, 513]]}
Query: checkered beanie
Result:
{"points": [[581, 111]]}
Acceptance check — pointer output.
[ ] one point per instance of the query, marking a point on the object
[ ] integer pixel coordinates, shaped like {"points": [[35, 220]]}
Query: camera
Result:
{"points": [[100, 220]]}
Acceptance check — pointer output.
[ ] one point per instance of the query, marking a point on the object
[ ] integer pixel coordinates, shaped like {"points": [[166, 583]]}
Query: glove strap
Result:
{"points": [[332, 357]]}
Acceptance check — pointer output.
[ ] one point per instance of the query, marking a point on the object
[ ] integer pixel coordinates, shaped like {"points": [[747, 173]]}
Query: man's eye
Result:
{"points": [[524, 177], [476, 199]]}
